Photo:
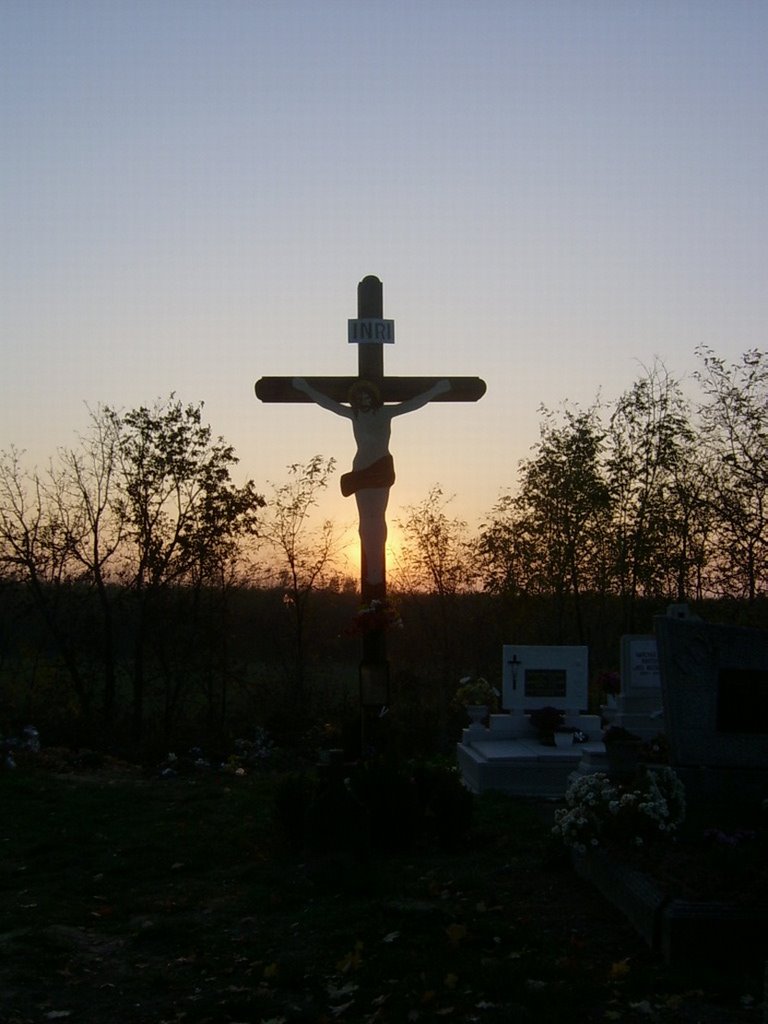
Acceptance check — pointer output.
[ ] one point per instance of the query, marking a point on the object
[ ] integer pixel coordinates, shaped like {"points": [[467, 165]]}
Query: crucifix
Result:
{"points": [[370, 401]]}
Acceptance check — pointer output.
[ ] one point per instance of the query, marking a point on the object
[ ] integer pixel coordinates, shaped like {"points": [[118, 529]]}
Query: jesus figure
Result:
{"points": [[373, 470]]}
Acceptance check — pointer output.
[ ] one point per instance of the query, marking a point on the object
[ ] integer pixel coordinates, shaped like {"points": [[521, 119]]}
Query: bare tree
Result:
{"points": [[145, 501], [34, 550], [435, 555], [302, 554]]}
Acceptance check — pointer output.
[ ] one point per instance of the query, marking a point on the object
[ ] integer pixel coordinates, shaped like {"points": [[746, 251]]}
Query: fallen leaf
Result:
{"points": [[352, 960], [338, 1010], [644, 1006], [450, 980], [620, 969], [455, 933], [345, 990], [270, 971]]}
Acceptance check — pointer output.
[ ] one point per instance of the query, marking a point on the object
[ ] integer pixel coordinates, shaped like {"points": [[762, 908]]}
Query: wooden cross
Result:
{"points": [[375, 332]]}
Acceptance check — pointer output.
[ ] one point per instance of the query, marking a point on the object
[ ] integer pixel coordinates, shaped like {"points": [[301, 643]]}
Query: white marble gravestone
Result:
{"points": [[715, 691], [638, 707], [640, 666], [715, 686], [509, 755], [545, 676]]}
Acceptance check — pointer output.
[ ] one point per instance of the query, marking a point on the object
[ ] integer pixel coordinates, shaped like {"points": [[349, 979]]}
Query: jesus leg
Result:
{"points": [[372, 508]]}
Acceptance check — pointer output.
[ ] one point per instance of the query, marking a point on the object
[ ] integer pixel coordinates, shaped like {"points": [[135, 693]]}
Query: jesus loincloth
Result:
{"points": [[380, 473]]}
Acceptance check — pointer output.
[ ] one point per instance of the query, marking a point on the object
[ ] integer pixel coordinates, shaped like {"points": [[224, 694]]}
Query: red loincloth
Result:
{"points": [[379, 474]]}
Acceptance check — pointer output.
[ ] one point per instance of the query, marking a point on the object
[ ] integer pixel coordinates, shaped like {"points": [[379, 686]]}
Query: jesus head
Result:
{"points": [[364, 396]]}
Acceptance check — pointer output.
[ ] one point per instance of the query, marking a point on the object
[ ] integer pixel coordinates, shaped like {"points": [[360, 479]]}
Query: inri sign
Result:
{"points": [[377, 331]]}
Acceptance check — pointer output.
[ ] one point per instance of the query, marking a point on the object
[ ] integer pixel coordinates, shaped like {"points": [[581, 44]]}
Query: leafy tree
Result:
{"points": [[180, 510], [549, 537], [648, 443], [734, 421]]}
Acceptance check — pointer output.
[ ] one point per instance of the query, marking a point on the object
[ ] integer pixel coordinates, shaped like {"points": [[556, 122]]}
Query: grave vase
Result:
{"points": [[477, 713]]}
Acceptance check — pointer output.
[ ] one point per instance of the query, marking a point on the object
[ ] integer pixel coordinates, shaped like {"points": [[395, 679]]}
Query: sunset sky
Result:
{"points": [[554, 192]]}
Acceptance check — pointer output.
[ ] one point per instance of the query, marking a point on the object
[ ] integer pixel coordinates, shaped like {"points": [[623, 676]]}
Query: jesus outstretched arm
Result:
{"points": [[412, 404], [320, 399]]}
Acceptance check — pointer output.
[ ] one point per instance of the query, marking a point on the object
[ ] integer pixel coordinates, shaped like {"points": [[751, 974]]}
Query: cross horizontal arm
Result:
{"points": [[392, 389]]}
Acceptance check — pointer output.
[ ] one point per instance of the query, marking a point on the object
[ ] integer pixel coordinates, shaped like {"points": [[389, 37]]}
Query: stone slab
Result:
{"points": [[521, 767]]}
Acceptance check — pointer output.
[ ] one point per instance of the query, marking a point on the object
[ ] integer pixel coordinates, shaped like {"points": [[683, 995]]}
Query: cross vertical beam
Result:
{"points": [[370, 306], [374, 666]]}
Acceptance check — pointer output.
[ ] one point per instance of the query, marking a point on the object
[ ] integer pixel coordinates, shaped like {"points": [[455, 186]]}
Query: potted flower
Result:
{"points": [[564, 736], [547, 721], [476, 695]]}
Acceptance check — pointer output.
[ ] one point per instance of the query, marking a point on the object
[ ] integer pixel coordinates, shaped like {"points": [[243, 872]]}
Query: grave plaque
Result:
{"points": [[639, 664]]}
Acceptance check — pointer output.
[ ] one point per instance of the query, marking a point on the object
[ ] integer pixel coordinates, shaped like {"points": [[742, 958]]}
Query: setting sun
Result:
{"points": [[350, 554]]}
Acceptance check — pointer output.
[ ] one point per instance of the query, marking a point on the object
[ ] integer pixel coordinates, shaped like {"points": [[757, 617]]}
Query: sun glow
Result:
{"points": [[350, 555]]}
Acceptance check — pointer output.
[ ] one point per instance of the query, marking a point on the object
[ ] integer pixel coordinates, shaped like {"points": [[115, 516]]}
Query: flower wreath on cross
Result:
{"points": [[378, 615]]}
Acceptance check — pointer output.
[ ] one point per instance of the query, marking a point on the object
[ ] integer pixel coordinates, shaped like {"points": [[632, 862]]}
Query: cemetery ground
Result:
{"points": [[127, 896]]}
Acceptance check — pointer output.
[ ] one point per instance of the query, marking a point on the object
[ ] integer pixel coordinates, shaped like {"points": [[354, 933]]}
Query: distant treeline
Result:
{"points": [[216, 665], [146, 596]]}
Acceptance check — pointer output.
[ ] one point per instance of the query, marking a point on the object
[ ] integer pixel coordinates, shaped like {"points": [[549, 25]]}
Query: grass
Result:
{"points": [[127, 898]]}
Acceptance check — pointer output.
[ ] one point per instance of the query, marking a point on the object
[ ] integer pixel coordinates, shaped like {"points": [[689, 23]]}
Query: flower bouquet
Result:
{"points": [[375, 617], [476, 692], [601, 812]]}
